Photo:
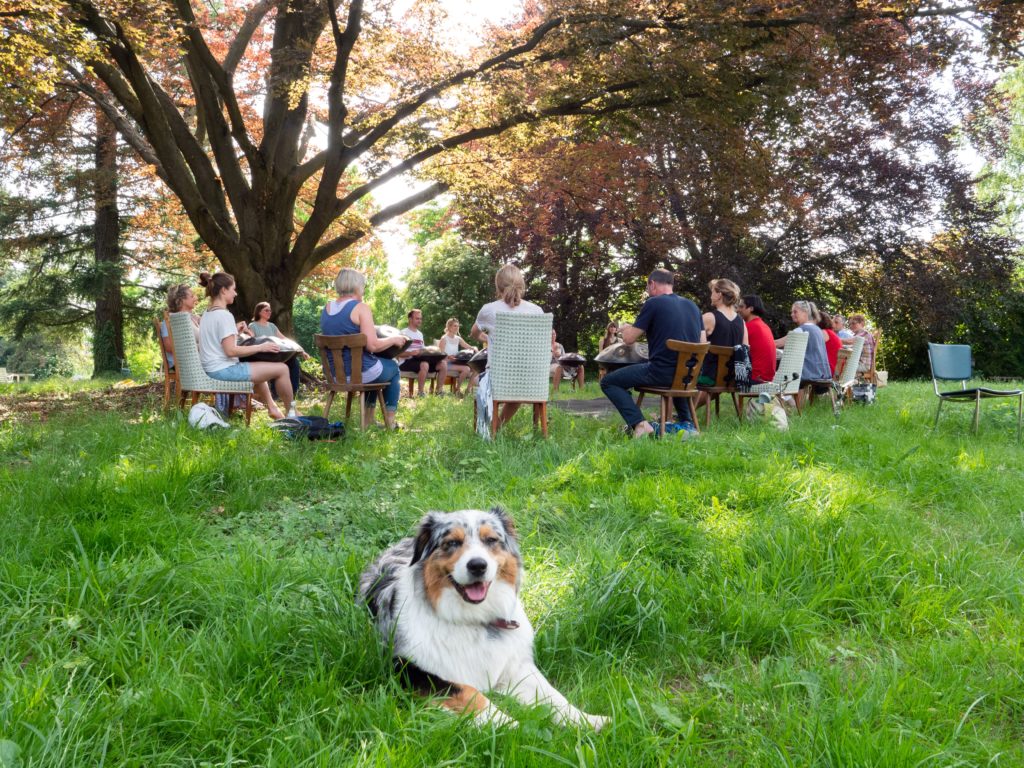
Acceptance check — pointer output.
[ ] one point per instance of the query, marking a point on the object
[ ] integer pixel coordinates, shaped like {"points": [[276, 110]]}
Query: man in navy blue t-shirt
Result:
{"points": [[664, 316]]}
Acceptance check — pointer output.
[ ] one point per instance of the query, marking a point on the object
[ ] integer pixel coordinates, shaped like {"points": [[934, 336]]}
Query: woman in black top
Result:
{"points": [[723, 325]]}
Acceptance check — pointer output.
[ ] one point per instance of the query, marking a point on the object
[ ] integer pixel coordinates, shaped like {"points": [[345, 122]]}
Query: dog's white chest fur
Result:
{"points": [[477, 654]]}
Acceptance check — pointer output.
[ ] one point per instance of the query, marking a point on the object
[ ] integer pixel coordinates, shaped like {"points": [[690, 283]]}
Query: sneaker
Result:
{"points": [[687, 431]]}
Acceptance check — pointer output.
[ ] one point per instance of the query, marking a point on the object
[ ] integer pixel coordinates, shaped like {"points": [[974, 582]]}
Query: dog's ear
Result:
{"points": [[506, 522], [424, 539]]}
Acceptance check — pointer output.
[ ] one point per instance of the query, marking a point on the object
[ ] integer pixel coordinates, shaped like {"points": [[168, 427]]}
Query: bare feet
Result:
{"points": [[643, 429]]}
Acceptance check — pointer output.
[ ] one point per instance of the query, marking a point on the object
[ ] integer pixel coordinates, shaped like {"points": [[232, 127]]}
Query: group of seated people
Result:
{"points": [[732, 320]]}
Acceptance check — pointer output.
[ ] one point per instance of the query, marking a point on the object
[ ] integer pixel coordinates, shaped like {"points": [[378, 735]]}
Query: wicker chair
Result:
{"points": [[787, 373], [191, 376], [684, 382], [519, 365], [170, 374], [332, 350]]}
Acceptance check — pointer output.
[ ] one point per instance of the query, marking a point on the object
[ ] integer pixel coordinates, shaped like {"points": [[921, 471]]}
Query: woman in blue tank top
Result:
{"points": [[347, 315]]}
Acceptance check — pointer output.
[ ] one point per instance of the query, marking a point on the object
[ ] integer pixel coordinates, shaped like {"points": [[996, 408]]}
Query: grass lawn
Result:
{"points": [[838, 595]]}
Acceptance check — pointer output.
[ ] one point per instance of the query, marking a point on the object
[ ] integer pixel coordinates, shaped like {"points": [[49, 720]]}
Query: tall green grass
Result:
{"points": [[845, 593]]}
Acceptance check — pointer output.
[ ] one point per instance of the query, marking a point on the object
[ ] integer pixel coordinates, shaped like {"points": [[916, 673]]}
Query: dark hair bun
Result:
{"points": [[205, 279]]}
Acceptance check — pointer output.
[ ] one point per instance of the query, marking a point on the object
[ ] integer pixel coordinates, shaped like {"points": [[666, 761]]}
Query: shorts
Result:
{"points": [[234, 372]]}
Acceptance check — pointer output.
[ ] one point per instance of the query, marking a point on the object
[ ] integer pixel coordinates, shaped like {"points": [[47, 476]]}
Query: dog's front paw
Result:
{"points": [[491, 715], [597, 722]]}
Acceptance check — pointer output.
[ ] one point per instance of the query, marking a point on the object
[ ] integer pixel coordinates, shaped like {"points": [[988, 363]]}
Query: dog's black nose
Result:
{"points": [[477, 566]]}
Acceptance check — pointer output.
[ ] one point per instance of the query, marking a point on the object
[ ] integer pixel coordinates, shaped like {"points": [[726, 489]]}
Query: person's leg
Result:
{"points": [[421, 377], [556, 376], [508, 410], [580, 376], [391, 375], [278, 373], [442, 377], [616, 385], [294, 370]]}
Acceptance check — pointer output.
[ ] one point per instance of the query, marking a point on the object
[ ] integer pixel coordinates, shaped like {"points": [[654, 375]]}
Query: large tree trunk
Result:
{"points": [[108, 337]]}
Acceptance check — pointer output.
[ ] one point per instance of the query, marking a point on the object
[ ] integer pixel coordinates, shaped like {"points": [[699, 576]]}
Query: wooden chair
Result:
{"points": [[519, 365], [787, 373], [870, 376], [684, 382], [332, 349], [723, 382], [431, 381], [191, 376], [170, 374]]}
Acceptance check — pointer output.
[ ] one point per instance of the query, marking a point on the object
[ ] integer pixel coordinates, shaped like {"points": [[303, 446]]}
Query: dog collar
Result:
{"points": [[505, 624]]}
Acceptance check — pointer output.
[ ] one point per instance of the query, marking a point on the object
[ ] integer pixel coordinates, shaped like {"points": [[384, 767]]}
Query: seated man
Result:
{"points": [[664, 316], [409, 362]]}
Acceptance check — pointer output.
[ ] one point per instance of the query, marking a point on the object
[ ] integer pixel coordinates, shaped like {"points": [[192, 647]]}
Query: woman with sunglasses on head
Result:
{"points": [[219, 350], [816, 367], [260, 325]]}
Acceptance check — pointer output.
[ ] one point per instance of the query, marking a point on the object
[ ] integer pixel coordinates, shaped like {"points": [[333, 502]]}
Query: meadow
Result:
{"points": [[842, 594]]}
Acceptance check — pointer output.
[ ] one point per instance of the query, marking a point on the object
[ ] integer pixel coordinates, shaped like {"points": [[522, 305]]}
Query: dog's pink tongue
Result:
{"points": [[477, 592]]}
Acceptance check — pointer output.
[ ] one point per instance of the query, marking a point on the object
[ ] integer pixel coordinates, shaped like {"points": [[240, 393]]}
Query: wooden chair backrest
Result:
{"points": [[332, 350], [723, 373], [688, 363]]}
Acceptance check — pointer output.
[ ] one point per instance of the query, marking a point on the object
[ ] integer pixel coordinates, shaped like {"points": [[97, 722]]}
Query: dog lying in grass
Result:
{"points": [[448, 601]]}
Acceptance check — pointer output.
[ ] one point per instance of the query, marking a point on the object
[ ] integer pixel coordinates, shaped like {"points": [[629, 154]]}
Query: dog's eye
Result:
{"points": [[451, 545], [491, 541]]}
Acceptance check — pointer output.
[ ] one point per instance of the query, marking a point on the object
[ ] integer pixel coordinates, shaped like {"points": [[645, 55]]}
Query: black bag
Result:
{"points": [[311, 427], [741, 367], [289, 349]]}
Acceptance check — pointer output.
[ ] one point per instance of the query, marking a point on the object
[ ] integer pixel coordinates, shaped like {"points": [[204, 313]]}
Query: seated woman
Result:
{"points": [[723, 326], [260, 325], [219, 350], [816, 369], [762, 343], [181, 298], [450, 343], [347, 315], [510, 286], [832, 341], [557, 370], [611, 336]]}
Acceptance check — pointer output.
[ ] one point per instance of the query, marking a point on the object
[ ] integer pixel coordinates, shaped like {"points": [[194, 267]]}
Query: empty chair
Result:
{"points": [[952, 362], [170, 374]]}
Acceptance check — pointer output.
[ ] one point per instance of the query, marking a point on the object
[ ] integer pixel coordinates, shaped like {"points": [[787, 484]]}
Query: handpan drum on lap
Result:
{"points": [[621, 354], [385, 332]]}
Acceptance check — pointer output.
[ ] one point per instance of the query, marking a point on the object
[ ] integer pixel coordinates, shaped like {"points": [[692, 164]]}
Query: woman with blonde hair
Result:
{"points": [[348, 314], [509, 286], [450, 343], [723, 325]]}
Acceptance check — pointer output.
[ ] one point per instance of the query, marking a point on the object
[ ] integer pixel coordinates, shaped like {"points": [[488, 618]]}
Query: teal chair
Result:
{"points": [[952, 362]]}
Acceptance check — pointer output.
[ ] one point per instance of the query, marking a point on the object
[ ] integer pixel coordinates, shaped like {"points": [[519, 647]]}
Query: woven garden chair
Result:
{"points": [[689, 359], [332, 349], [170, 374], [519, 365], [787, 373], [846, 373], [952, 362], [191, 376]]}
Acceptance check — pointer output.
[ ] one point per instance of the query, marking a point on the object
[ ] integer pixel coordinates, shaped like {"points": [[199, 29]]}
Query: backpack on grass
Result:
{"points": [[310, 427]]}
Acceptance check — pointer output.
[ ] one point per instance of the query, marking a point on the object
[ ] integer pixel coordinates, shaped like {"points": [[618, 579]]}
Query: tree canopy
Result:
{"points": [[271, 123]]}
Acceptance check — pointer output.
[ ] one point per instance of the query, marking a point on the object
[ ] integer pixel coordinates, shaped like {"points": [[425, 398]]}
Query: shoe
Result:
{"points": [[687, 431], [292, 413]]}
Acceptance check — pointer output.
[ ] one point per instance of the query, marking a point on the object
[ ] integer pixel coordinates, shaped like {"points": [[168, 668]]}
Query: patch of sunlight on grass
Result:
{"points": [[967, 462], [548, 580], [724, 524], [823, 491]]}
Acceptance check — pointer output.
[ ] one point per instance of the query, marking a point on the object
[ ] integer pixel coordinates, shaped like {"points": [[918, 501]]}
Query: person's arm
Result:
{"points": [[709, 323], [463, 344], [746, 336], [364, 316], [231, 347], [780, 342], [165, 339], [630, 333]]}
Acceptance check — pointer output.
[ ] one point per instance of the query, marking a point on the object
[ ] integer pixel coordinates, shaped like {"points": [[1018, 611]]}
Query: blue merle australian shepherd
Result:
{"points": [[448, 601]]}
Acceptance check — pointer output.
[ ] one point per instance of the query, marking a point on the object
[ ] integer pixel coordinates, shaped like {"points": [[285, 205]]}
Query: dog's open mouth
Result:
{"points": [[472, 593]]}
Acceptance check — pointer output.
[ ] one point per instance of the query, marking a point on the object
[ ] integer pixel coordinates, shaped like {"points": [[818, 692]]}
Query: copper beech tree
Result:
{"points": [[271, 122]]}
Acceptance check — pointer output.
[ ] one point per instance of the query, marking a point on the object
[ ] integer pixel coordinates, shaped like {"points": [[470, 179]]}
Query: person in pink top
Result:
{"points": [[832, 341], [762, 342]]}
